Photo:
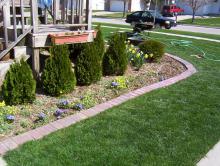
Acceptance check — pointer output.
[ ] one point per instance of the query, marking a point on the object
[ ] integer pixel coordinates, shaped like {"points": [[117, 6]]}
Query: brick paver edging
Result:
{"points": [[38, 133]]}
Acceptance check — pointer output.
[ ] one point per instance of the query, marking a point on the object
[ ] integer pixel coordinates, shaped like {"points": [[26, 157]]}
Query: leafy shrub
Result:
{"points": [[19, 85], [99, 42], [115, 60], [135, 56], [58, 76], [88, 65], [153, 48]]}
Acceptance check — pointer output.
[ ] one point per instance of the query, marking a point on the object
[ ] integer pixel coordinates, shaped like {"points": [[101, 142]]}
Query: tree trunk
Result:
{"points": [[193, 16], [148, 5], [124, 11]]}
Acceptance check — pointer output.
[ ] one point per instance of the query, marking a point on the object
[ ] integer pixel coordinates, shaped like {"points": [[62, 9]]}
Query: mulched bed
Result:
{"points": [[96, 93]]}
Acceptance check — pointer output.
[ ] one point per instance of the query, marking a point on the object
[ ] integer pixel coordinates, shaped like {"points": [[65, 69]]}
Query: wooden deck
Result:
{"points": [[23, 19], [42, 37]]}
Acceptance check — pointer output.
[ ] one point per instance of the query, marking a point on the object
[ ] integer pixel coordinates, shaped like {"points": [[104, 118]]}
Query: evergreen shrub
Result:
{"points": [[19, 85], [115, 60], [58, 76]]}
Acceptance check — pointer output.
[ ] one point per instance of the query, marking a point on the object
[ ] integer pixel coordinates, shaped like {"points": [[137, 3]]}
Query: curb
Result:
{"points": [[38, 133]]}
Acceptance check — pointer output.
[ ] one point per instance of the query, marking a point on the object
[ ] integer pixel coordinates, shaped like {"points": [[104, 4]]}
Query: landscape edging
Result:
{"points": [[38, 133]]}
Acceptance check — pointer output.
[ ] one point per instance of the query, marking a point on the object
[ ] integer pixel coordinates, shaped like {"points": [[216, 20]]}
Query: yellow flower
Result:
{"points": [[133, 51], [151, 55], [146, 56], [130, 49], [2, 104], [138, 55]]}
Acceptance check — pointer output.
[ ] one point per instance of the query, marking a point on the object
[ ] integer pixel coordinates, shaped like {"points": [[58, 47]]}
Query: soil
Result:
{"points": [[98, 93]]}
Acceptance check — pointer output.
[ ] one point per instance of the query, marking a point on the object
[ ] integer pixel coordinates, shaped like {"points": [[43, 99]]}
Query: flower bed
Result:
{"points": [[46, 108]]}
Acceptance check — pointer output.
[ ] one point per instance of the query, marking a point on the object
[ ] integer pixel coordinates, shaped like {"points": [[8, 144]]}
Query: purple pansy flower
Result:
{"points": [[59, 112], [79, 106], [10, 118], [41, 116], [63, 102], [114, 84]]}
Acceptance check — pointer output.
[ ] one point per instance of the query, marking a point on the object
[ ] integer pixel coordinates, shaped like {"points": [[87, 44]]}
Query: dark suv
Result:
{"points": [[145, 20]]}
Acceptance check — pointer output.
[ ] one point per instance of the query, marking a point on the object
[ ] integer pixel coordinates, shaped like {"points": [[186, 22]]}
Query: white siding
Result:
{"points": [[137, 5], [98, 4], [212, 8]]}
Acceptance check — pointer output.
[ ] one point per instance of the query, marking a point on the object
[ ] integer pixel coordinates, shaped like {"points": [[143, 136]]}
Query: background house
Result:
{"points": [[211, 8], [98, 4], [136, 5], [118, 5]]}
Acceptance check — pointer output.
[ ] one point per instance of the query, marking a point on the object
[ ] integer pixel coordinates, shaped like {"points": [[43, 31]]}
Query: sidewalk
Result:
{"points": [[189, 28]]}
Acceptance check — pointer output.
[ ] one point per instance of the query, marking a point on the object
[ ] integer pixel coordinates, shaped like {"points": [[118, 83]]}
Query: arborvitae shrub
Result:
{"points": [[58, 77], [154, 49], [99, 42], [115, 60], [88, 65], [19, 85]]}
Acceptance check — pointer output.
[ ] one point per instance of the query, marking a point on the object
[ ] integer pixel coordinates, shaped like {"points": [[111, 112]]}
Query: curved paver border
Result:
{"points": [[14, 142]]}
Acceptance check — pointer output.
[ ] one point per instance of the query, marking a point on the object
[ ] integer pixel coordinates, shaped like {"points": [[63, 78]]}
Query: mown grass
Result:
{"points": [[210, 22], [210, 36], [112, 15], [176, 125]]}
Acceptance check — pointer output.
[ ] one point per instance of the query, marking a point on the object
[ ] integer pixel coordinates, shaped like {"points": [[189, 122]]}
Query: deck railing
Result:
{"points": [[61, 12]]}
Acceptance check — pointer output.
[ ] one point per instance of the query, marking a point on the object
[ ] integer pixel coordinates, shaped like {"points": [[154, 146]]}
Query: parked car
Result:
{"points": [[145, 20], [172, 10]]}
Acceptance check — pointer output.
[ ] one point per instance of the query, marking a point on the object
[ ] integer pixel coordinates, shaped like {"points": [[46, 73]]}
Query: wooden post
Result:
{"points": [[89, 14], [81, 11], [36, 51], [45, 16], [72, 12], [36, 62], [22, 15], [56, 9], [6, 21], [63, 11], [34, 15]]}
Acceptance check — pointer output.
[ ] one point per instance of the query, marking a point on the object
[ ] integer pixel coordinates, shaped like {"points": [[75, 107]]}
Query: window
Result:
{"points": [[146, 14], [136, 14]]}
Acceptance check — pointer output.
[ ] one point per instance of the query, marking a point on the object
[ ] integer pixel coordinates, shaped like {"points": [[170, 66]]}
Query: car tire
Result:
{"points": [[168, 26]]}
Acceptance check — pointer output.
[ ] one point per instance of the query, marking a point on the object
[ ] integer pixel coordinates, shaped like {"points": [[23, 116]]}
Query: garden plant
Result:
{"points": [[19, 85], [115, 60], [58, 76]]}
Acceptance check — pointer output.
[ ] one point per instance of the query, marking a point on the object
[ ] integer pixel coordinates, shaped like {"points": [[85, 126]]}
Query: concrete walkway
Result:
{"points": [[212, 158], [188, 28]]}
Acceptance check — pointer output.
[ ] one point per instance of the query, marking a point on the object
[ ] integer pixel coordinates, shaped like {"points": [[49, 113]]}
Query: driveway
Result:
{"points": [[188, 28]]}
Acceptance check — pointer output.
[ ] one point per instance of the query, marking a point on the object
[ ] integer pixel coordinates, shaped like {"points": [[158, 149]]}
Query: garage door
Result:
{"points": [[117, 6]]}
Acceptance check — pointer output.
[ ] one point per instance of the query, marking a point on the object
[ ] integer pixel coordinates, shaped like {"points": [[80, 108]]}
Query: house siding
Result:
{"points": [[211, 8], [98, 4]]}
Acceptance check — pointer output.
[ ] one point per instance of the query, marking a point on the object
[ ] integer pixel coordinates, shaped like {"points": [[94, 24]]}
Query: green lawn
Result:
{"points": [[175, 126], [210, 36], [210, 22], [113, 15]]}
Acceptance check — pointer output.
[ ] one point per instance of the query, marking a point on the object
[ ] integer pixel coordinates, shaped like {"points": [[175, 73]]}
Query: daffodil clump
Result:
{"points": [[136, 56]]}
